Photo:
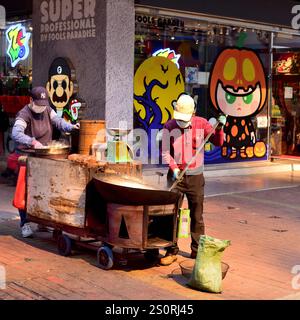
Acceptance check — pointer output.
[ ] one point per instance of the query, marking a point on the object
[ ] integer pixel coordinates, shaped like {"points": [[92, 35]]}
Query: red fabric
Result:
{"points": [[13, 104], [12, 161], [179, 147], [1, 143], [19, 198]]}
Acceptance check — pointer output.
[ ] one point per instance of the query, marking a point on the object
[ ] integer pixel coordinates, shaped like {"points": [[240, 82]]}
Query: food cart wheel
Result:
{"points": [[64, 245], [151, 255], [105, 259]]}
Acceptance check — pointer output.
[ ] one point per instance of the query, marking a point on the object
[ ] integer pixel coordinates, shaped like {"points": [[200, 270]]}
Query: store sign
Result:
{"points": [[18, 47], [2, 17], [67, 20], [161, 22]]}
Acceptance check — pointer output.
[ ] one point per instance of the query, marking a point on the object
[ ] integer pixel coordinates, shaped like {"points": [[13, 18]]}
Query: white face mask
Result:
{"points": [[183, 124], [37, 109]]}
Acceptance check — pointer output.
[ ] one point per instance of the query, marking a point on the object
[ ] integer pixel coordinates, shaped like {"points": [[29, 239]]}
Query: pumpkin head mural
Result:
{"points": [[238, 89]]}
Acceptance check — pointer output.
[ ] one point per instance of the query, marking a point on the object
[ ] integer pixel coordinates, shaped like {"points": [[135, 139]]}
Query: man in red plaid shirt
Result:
{"points": [[181, 138]]}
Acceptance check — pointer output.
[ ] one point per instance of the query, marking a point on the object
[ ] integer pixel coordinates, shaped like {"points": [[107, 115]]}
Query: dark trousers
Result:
{"points": [[23, 217], [193, 187]]}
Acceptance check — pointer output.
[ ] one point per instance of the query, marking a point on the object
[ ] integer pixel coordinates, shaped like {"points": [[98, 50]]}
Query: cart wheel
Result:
{"points": [[56, 233], [151, 255], [64, 245], [105, 259]]}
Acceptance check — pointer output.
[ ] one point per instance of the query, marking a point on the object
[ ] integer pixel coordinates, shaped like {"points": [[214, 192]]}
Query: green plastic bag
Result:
{"points": [[207, 272]]}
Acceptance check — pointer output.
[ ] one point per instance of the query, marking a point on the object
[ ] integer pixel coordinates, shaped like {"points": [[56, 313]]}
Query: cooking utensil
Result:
{"points": [[128, 191], [48, 152]]}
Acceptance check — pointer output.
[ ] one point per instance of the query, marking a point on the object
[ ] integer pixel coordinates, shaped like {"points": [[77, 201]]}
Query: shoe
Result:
{"points": [[167, 260], [193, 255], [26, 231]]}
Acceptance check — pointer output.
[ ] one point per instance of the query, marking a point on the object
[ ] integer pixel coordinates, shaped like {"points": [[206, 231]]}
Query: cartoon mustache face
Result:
{"points": [[62, 99]]}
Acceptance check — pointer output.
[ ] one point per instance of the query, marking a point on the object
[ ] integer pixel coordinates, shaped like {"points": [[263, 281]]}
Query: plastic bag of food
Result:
{"points": [[207, 272]]}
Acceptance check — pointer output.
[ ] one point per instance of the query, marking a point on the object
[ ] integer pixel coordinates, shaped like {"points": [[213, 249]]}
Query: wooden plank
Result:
{"points": [[56, 191]]}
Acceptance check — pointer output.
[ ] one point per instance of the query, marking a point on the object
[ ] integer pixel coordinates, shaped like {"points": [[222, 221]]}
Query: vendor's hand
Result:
{"points": [[176, 174], [36, 144], [76, 126], [222, 120]]}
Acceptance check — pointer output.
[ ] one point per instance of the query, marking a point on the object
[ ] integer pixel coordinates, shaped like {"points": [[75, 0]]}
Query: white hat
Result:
{"points": [[184, 108]]}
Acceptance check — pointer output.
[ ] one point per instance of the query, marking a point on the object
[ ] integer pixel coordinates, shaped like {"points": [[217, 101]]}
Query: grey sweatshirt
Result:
{"points": [[30, 126]]}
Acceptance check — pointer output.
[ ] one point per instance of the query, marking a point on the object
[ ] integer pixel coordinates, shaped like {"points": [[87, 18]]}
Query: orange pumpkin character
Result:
{"points": [[238, 89]]}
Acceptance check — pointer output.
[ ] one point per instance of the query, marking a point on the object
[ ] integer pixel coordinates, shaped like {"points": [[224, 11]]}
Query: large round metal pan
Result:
{"points": [[126, 191], [48, 152]]}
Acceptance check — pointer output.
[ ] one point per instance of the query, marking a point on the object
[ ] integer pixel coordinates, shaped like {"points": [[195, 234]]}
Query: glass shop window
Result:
{"points": [[187, 51], [285, 112]]}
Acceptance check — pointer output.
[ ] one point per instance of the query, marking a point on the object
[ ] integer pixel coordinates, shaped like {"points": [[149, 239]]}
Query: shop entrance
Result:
{"points": [[285, 112]]}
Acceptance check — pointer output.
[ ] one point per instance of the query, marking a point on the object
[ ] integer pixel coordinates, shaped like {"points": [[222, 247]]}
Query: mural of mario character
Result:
{"points": [[60, 87], [238, 89]]}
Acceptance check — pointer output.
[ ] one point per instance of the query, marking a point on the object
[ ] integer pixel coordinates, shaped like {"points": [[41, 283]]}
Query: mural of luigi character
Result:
{"points": [[60, 87], [238, 89]]}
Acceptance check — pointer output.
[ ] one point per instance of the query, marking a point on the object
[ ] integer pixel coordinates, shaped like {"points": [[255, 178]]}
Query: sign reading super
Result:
{"points": [[67, 19]]}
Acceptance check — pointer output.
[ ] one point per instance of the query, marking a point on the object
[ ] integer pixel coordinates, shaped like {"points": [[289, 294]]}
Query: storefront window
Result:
{"points": [[285, 112], [192, 47]]}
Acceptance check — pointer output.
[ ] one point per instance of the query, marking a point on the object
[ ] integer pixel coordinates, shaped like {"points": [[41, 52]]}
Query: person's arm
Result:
{"points": [[60, 123], [166, 147], [18, 133], [217, 138]]}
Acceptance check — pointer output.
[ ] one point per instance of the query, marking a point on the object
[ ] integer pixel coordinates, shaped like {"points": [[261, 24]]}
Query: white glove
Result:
{"points": [[76, 126], [36, 144], [176, 174], [222, 120]]}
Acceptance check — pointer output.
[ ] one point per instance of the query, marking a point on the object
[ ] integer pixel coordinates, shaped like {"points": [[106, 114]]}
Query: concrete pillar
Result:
{"points": [[120, 30], [103, 61]]}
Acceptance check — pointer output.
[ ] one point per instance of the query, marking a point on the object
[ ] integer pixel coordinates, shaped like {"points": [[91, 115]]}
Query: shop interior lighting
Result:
{"points": [[281, 47]]}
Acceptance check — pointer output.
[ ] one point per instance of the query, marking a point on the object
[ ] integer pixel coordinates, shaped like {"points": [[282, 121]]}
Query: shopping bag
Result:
{"points": [[184, 223], [207, 272]]}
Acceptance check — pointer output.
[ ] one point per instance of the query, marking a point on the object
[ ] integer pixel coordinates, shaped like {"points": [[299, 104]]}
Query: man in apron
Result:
{"points": [[33, 128]]}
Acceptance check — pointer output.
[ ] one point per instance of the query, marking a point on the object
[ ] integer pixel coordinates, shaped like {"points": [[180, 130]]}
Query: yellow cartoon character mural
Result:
{"points": [[158, 83], [238, 89]]}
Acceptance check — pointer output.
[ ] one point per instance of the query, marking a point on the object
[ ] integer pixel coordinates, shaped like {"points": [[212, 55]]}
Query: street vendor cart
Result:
{"points": [[100, 205]]}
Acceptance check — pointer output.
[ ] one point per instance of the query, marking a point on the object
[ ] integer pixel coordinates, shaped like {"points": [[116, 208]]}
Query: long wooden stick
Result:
{"points": [[182, 173]]}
